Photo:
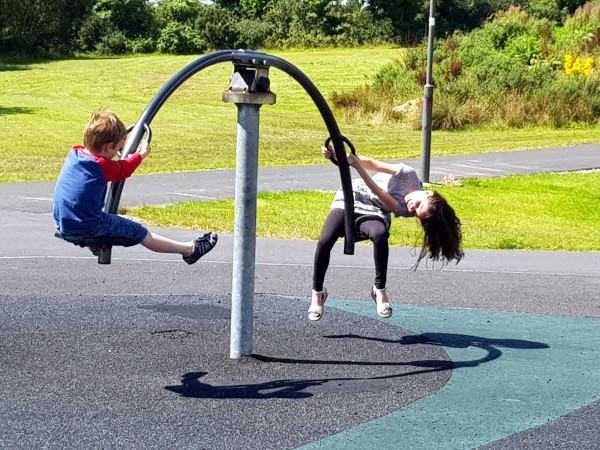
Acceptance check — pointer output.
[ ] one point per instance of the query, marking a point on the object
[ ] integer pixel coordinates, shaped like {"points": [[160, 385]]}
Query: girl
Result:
{"points": [[395, 188]]}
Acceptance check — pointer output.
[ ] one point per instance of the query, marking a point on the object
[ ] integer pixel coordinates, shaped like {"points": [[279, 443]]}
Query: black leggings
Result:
{"points": [[333, 228]]}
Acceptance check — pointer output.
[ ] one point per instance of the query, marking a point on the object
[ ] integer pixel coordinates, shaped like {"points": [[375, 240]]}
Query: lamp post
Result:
{"points": [[428, 99]]}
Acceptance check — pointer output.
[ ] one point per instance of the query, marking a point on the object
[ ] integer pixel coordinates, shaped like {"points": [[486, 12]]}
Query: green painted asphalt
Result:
{"points": [[512, 372]]}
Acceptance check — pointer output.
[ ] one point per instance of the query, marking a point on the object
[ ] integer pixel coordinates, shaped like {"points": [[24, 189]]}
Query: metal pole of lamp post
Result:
{"points": [[249, 91], [427, 106]]}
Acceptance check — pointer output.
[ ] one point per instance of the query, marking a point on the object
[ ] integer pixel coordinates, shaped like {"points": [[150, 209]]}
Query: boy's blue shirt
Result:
{"points": [[81, 189], [79, 195]]}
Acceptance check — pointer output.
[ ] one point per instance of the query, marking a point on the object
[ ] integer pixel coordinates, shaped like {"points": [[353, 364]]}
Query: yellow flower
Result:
{"points": [[575, 66], [589, 62]]}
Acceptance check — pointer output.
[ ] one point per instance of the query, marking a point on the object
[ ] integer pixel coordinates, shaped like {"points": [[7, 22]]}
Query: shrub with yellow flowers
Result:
{"points": [[578, 66]]}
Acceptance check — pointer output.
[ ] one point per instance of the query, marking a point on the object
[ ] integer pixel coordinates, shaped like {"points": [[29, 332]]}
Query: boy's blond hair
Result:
{"points": [[103, 127]]}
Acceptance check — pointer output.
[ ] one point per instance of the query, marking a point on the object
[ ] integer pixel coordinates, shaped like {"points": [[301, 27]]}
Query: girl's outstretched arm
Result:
{"points": [[388, 202], [375, 165]]}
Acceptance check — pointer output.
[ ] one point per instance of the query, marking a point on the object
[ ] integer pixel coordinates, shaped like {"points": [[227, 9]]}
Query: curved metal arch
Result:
{"points": [[253, 59]]}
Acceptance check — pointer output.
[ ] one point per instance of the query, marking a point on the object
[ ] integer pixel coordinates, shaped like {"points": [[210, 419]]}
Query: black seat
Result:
{"points": [[100, 241], [95, 245]]}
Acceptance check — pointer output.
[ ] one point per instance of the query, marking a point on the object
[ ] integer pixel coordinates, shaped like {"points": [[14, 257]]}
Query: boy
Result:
{"points": [[81, 189]]}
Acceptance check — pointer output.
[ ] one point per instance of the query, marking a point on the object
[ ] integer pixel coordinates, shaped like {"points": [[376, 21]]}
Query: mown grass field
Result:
{"points": [[44, 105], [536, 212]]}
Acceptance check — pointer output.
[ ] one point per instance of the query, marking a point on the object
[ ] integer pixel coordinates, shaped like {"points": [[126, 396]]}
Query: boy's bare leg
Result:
{"points": [[161, 244]]}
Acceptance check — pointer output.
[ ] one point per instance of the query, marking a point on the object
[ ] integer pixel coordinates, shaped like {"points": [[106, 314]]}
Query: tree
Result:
{"points": [[113, 25], [179, 38], [297, 22], [228, 4], [133, 17], [253, 9], [408, 17], [217, 26], [181, 11], [39, 27]]}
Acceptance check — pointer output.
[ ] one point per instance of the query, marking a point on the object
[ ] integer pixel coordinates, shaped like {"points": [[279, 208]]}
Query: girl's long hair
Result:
{"points": [[443, 236]]}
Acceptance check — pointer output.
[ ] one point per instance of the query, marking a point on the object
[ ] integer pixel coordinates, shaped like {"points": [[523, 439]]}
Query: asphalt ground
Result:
{"points": [[500, 351]]}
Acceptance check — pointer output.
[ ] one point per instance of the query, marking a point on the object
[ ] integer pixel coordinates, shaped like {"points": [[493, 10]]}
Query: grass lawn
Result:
{"points": [[541, 212], [44, 105]]}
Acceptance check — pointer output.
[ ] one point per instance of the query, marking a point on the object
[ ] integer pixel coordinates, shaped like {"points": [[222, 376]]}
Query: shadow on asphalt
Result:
{"points": [[191, 387], [456, 341]]}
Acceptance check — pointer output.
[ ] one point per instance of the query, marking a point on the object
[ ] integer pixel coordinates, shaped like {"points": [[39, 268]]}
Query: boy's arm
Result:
{"points": [[119, 170]]}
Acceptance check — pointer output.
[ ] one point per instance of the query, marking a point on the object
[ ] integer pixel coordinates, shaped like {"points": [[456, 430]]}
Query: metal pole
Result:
{"points": [[249, 90], [244, 233], [428, 99]]}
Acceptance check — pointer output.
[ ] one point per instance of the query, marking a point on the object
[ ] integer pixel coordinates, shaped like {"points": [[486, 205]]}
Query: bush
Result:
{"points": [[91, 33], [398, 83], [41, 27], [581, 30], [183, 11], [218, 27], [251, 34], [359, 28], [511, 72], [364, 103], [453, 113], [115, 43], [545, 9], [143, 45], [132, 17], [523, 49], [298, 23], [506, 25], [180, 39]]}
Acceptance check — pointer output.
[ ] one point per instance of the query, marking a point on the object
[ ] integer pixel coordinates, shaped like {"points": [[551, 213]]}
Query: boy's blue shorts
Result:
{"points": [[115, 230]]}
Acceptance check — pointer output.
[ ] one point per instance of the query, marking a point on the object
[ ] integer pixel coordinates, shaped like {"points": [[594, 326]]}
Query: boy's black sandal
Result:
{"points": [[202, 246]]}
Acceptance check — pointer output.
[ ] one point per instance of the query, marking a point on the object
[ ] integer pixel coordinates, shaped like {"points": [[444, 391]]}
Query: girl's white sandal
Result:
{"points": [[384, 310], [316, 312]]}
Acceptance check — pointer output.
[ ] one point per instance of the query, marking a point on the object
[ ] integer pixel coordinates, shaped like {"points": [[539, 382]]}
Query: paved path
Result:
{"points": [[500, 351]]}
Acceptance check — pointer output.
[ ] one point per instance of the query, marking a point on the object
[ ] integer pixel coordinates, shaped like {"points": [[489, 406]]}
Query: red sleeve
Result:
{"points": [[121, 169]]}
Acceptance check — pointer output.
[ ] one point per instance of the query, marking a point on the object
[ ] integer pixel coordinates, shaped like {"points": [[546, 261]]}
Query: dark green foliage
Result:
{"points": [[408, 19], [182, 11], [91, 33], [546, 9], [180, 39], [115, 43], [513, 71], [296, 23], [55, 27], [251, 33], [117, 27], [40, 27], [229, 4], [217, 26], [252, 9], [351, 25], [143, 45], [132, 17]]}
